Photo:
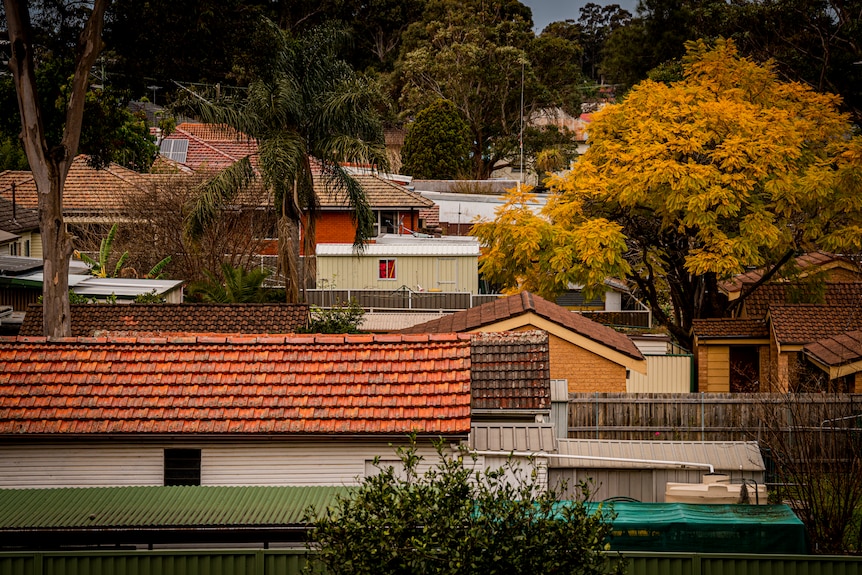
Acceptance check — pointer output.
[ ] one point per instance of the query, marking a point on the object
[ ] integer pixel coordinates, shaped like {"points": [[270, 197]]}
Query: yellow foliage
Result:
{"points": [[730, 165]]}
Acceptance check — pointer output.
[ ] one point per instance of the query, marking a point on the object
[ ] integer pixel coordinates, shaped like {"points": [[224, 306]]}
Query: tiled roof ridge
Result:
{"points": [[220, 128], [208, 145], [777, 305], [243, 339], [111, 169]]}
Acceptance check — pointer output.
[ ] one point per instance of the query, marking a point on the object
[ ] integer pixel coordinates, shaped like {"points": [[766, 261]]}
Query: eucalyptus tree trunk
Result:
{"points": [[50, 165]]}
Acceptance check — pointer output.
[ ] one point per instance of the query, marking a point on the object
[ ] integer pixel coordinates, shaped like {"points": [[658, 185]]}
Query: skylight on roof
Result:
{"points": [[175, 149]]}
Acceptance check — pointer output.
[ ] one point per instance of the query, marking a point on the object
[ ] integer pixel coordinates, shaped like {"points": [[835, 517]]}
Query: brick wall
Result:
{"points": [[585, 371], [335, 228]]}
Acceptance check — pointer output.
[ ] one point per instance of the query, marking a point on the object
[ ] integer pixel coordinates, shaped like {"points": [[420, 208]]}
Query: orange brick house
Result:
{"points": [[198, 147], [590, 356]]}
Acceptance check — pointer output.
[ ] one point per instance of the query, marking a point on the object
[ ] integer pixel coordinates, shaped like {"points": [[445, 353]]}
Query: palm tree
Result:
{"points": [[309, 113], [239, 286]]}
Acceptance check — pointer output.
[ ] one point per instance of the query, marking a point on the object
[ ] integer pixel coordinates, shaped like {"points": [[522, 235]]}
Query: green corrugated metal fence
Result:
{"points": [[291, 562]]}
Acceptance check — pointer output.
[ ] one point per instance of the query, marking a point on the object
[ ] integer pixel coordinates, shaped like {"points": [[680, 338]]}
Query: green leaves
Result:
{"points": [[450, 516], [237, 285]]}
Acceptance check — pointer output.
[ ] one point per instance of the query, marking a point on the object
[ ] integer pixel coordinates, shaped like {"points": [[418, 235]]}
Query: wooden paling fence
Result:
{"points": [[709, 416]]}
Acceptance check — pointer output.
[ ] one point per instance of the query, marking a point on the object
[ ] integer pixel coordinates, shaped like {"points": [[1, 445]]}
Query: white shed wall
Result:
{"points": [[284, 463], [297, 463], [40, 466]]}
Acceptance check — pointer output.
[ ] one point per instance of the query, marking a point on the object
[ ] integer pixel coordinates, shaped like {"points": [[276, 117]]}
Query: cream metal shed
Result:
{"points": [[644, 468], [421, 264]]}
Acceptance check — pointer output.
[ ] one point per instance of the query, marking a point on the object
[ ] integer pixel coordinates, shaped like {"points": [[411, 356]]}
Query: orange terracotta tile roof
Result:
{"points": [[808, 323], [213, 146], [726, 328], [835, 293], [89, 320], [510, 371], [522, 304], [805, 261], [235, 385], [837, 350], [87, 189]]}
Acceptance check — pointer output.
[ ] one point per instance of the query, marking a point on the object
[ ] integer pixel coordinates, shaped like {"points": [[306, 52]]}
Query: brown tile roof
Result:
{"points": [[89, 319], [522, 304], [836, 293], [380, 193], [87, 189], [729, 328], [837, 350], [510, 371], [17, 219], [805, 261], [808, 323], [249, 385]]}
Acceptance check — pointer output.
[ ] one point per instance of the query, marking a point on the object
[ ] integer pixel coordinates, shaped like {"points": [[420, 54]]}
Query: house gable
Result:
{"points": [[526, 309], [534, 321]]}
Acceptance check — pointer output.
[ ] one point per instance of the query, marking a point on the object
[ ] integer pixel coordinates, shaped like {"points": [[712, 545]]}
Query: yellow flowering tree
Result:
{"points": [[688, 183]]}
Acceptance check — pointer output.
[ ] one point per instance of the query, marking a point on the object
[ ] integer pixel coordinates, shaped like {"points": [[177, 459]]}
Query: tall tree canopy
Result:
{"points": [[478, 56], [687, 183], [817, 42], [437, 146], [309, 113]]}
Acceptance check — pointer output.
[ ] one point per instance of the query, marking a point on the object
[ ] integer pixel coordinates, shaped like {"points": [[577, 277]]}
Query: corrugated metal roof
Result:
{"points": [[530, 437], [722, 455], [427, 248], [155, 506], [386, 322]]}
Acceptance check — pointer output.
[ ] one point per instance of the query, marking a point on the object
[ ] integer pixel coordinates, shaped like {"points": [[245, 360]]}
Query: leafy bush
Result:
{"points": [[150, 297], [344, 318], [453, 519]]}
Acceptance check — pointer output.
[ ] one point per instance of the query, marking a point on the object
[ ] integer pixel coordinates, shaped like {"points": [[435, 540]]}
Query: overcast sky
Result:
{"points": [[547, 11]]}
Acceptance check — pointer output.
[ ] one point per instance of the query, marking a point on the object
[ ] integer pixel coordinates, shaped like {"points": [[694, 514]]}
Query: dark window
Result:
{"points": [[182, 466]]}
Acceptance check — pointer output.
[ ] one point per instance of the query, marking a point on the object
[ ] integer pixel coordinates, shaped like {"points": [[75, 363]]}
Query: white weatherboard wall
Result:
{"points": [[311, 463], [284, 463], [446, 268]]}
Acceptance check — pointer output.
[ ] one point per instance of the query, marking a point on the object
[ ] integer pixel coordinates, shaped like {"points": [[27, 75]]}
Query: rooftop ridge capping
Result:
{"points": [[242, 339]]}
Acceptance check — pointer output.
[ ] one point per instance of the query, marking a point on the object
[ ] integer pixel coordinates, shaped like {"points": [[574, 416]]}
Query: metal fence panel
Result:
{"points": [[291, 562]]}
